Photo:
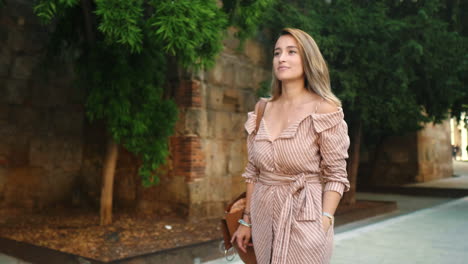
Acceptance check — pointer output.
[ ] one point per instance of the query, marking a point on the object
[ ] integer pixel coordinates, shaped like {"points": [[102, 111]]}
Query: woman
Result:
{"points": [[296, 172]]}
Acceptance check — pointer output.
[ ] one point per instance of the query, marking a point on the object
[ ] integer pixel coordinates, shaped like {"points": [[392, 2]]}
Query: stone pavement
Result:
{"points": [[5, 259], [434, 235]]}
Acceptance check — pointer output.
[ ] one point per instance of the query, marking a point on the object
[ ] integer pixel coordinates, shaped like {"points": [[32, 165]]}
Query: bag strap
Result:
{"points": [[261, 110]]}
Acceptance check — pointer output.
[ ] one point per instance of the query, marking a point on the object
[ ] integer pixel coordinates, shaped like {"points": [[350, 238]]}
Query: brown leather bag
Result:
{"points": [[235, 210]]}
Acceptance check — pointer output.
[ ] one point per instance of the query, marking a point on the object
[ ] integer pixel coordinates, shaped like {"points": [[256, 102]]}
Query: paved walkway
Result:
{"points": [[5, 259], [435, 235]]}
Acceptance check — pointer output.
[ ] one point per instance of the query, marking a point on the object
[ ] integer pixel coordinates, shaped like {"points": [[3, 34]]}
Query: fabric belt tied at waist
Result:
{"points": [[305, 207]]}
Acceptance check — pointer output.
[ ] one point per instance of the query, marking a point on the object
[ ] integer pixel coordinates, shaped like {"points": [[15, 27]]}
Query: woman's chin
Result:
{"points": [[286, 78]]}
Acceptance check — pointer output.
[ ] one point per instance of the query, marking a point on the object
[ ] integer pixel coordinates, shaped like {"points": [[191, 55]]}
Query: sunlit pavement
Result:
{"points": [[435, 235]]}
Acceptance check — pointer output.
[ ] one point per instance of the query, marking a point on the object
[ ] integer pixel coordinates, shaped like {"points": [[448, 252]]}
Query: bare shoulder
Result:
{"points": [[327, 107]]}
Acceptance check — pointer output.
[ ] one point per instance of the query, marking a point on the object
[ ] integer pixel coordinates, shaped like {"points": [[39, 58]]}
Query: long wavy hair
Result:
{"points": [[317, 78]]}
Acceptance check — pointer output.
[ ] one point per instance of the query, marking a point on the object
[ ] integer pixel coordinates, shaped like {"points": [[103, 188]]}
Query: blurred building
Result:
{"points": [[459, 138]]}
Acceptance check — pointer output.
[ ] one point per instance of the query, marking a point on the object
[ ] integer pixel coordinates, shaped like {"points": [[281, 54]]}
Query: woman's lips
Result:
{"points": [[282, 68]]}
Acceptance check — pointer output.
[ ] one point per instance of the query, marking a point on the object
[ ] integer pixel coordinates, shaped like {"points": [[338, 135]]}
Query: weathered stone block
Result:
{"points": [[67, 122], [16, 39], [52, 153], [247, 102], [216, 159], [215, 97], [24, 187], [434, 152], [195, 122], [5, 61], [225, 125], [230, 66], [23, 66], [172, 194], [231, 42], [215, 75], [244, 76], [4, 112], [231, 100], [15, 91], [18, 155], [198, 191], [29, 42], [59, 185], [211, 189], [206, 209], [26, 119], [236, 187], [125, 189], [237, 158], [260, 75], [3, 35], [255, 52]]}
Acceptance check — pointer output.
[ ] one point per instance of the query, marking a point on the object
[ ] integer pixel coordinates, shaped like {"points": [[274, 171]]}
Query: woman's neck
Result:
{"points": [[294, 92]]}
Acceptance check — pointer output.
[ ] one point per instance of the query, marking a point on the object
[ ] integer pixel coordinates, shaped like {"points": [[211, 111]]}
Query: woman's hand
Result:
{"points": [[325, 223], [242, 235]]}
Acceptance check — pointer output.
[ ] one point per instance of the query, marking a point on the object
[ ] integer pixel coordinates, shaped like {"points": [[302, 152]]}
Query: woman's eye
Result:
{"points": [[292, 52], [276, 53]]}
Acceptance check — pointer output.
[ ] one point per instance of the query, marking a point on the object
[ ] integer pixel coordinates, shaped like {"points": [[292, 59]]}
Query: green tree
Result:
{"points": [[124, 47]]}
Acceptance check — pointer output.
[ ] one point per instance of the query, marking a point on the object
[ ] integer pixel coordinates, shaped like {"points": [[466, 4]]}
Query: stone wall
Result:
{"points": [[395, 163], [41, 115], [415, 157], [434, 152], [228, 93], [50, 155]]}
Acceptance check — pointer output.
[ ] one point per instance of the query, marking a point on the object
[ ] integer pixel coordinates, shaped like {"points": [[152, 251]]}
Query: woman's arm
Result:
{"points": [[330, 202], [250, 187], [244, 233], [334, 144]]}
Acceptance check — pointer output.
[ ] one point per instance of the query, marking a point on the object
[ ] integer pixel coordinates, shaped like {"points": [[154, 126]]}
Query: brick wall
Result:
{"points": [[188, 157]]}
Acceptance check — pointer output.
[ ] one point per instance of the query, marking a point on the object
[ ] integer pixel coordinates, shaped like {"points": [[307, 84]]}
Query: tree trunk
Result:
{"points": [[108, 181], [353, 162], [112, 152], [88, 22]]}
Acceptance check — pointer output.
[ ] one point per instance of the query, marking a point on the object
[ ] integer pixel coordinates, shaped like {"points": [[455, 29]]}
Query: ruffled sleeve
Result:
{"points": [[333, 144], [251, 172]]}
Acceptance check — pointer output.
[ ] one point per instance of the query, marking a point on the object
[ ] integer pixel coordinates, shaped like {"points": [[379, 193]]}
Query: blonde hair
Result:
{"points": [[317, 78]]}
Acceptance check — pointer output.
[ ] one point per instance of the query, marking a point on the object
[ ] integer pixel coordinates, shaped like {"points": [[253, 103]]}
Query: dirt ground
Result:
{"points": [[78, 232]]}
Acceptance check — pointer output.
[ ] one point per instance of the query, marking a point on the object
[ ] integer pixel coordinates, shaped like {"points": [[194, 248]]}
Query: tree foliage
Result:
{"points": [[395, 64], [246, 14], [124, 48]]}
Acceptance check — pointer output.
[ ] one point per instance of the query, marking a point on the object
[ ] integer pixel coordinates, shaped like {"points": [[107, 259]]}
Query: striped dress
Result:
{"points": [[290, 175]]}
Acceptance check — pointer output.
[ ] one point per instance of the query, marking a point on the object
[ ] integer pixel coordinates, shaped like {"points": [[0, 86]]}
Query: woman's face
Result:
{"points": [[287, 62]]}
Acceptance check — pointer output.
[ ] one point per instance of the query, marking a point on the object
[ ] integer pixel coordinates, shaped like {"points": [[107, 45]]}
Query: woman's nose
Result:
{"points": [[282, 57]]}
